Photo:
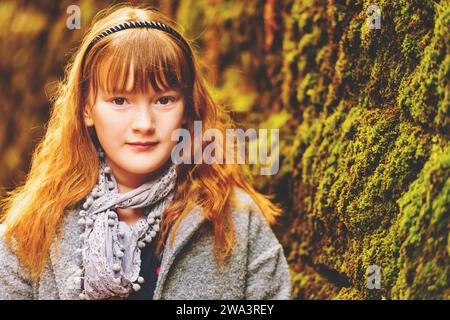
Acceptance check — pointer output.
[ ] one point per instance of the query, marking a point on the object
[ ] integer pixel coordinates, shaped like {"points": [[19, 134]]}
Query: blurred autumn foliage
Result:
{"points": [[364, 118]]}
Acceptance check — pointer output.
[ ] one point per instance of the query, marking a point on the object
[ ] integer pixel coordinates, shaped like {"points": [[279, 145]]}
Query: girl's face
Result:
{"points": [[124, 121]]}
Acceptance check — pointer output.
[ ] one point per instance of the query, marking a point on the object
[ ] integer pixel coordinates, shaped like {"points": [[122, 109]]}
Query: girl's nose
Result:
{"points": [[143, 120]]}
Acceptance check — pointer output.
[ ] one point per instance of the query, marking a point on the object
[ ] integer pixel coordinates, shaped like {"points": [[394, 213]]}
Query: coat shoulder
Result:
{"points": [[7, 257], [243, 198], [246, 212], [268, 275], [14, 282]]}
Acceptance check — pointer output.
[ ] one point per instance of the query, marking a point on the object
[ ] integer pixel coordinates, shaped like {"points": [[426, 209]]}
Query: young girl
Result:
{"points": [[105, 213]]}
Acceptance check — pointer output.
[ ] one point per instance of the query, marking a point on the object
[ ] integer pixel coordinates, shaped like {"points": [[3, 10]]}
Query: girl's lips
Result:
{"points": [[142, 146]]}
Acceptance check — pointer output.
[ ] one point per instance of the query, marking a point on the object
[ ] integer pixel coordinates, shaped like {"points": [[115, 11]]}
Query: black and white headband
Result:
{"points": [[139, 24]]}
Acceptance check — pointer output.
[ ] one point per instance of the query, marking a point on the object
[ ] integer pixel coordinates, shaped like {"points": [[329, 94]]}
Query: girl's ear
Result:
{"points": [[87, 117]]}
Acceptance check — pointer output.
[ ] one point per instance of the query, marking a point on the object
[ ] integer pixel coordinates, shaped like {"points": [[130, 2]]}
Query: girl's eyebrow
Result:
{"points": [[171, 90], [132, 94], [121, 92]]}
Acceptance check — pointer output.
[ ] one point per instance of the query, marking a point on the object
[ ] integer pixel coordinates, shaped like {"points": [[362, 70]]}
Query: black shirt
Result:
{"points": [[149, 271]]}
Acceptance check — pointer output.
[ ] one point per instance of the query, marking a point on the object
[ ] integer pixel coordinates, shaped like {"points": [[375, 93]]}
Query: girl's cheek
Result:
{"points": [[167, 125], [112, 127]]}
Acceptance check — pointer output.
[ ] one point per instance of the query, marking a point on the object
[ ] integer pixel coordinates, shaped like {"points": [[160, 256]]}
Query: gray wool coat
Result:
{"points": [[257, 269]]}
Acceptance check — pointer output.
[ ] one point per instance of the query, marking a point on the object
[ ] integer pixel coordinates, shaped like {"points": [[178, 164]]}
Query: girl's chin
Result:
{"points": [[141, 170], [143, 167]]}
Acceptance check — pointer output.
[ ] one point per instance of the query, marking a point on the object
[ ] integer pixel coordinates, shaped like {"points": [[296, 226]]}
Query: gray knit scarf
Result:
{"points": [[110, 252]]}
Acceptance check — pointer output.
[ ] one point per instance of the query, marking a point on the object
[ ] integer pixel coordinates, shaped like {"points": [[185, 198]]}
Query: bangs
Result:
{"points": [[135, 61]]}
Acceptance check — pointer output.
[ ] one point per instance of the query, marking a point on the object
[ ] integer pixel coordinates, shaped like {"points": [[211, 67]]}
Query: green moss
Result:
{"points": [[311, 285], [365, 121], [349, 294], [423, 231], [383, 100]]}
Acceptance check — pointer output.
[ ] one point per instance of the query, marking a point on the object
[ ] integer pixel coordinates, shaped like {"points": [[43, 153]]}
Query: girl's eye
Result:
{"points": [[119, 101], [165, 100]]}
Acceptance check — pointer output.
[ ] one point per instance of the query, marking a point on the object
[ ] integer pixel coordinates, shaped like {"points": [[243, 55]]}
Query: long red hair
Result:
{"points": [[65, 165]]}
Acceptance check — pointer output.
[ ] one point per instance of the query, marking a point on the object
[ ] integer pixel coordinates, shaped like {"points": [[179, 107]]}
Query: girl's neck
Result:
{"points": [[127, 181], [130, 215]]}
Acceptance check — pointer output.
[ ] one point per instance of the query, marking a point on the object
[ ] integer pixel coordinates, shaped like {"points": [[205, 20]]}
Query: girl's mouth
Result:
{"points": [[143, 146]]}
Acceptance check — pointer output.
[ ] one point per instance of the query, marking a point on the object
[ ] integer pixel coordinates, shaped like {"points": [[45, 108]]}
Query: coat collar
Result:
{"points": [[186, 229], [65, 262]]}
